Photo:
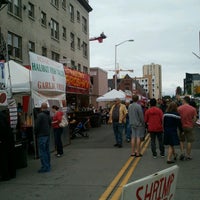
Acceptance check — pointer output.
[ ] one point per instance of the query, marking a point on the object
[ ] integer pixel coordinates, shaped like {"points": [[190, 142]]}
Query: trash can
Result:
{"points": [[21, 154]]}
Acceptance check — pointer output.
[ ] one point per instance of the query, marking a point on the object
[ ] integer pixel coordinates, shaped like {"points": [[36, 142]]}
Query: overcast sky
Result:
{"points": [[165, 32]]}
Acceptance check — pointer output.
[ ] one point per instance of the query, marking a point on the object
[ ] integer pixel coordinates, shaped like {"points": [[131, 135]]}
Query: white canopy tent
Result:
{"points": [[112, 95], [17, 78]]}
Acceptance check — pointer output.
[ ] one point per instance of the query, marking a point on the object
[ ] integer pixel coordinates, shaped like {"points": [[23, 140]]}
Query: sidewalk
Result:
{"points": [[88, 167]]}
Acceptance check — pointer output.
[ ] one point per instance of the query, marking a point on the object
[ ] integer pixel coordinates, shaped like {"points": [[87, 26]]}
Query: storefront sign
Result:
{"points": [[160, 186], [76, 81]]}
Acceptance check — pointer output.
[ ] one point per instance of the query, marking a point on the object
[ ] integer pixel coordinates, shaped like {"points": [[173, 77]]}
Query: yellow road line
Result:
{"points": [[112, 185], [118, 192], [117, 178]]}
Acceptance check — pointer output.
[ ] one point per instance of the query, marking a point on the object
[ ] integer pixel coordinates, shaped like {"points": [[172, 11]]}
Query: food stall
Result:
{"points": [[48, 84], [43, 82]]}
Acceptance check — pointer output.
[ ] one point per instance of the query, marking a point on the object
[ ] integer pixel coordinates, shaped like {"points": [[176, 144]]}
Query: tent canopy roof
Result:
{"points": [[19, 77], [112, 95]]}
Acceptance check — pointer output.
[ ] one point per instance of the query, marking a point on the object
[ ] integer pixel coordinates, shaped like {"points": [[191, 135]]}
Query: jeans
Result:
{"points": [[44, 153], [118, 131], [127, 129], [159, 136], [58, 141]]}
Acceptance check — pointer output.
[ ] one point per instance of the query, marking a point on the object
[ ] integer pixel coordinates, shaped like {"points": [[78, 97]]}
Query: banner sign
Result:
{"points": [[2, 76], [77, 81], [47, 75], [48, 78], [3, 94], [161, 185]]}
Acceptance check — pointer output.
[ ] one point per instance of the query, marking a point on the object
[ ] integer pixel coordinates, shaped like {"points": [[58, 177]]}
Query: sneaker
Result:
{"points": [[170, 162], [162, 155], [119, 146], [155, 156], [188, 158], [128, 140], [43, 170], [58, 155], [182, 157]]}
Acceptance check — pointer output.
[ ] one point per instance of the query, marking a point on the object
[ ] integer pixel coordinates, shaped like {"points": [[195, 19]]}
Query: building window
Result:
{"points": [[84, 25], [78, 16], [72, 41], [73, 64], [31, 10], [79, 43], [15, 7], [64, 5], [55, 3], [14, 45], [44, 51], [64, 34], [85, 69], [85, 53], [55, 56], [79, 67], [71, 11], [31, 46], [43, 18], [54, 29]]}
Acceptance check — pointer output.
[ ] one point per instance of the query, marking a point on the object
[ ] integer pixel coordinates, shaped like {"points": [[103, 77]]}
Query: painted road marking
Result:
{"points": [[121, 173]]}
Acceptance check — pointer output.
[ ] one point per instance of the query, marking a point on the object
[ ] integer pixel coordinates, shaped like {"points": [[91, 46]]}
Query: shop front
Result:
{"points": [[77, 89], [78, 97], [48, 84]]}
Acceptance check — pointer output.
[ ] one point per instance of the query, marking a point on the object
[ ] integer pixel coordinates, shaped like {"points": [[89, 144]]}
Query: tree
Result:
{"points": [[178, 91]]}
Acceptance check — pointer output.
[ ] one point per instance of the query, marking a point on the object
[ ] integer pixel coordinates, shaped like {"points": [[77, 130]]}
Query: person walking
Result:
{"points": [[171, 125], [137, 124], [7, 149], [188, 118], [57, 130], [127, 125], [153, 119], [117, 117], [42, 131]]}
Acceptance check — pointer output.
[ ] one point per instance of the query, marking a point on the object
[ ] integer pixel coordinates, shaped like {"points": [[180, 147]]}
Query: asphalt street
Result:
{"points": [[89, 166]]}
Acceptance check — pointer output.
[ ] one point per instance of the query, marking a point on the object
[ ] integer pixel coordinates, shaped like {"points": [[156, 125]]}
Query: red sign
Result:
{"points": [[77, 82]]}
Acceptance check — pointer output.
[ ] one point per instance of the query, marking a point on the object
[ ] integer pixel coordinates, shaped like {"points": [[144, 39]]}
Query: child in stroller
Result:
{"points": [[80, 130]]}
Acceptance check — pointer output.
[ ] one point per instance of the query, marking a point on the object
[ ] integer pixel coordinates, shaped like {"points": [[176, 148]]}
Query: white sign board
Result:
{"points": [[48, 79], [47, 75], [161, 185]]}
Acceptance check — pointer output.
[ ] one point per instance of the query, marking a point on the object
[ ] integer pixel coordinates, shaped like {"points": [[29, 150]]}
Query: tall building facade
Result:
{"points": [[155, 84], [57, 29], [99, 85], [192, 84], [146, 84]]}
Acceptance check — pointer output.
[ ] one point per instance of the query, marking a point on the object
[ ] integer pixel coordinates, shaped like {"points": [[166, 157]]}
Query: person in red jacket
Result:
{"points": [[57, 129], [153, 119]]}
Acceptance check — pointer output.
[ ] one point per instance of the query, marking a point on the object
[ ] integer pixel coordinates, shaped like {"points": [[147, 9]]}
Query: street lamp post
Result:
{"points": [[116, 59]]}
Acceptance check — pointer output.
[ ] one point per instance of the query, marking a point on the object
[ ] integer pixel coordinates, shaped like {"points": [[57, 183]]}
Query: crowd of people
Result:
{"points": [[169, 124]]}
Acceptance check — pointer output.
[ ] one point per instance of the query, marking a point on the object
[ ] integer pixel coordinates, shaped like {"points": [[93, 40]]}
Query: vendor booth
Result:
{"points": [[43, 82]]}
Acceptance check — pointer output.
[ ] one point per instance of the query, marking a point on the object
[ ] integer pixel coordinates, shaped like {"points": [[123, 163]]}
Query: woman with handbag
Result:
{"points": [[57, 118]]}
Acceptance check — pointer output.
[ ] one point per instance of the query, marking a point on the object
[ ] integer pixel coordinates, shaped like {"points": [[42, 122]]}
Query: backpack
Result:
{"points": [[64, 121]]}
